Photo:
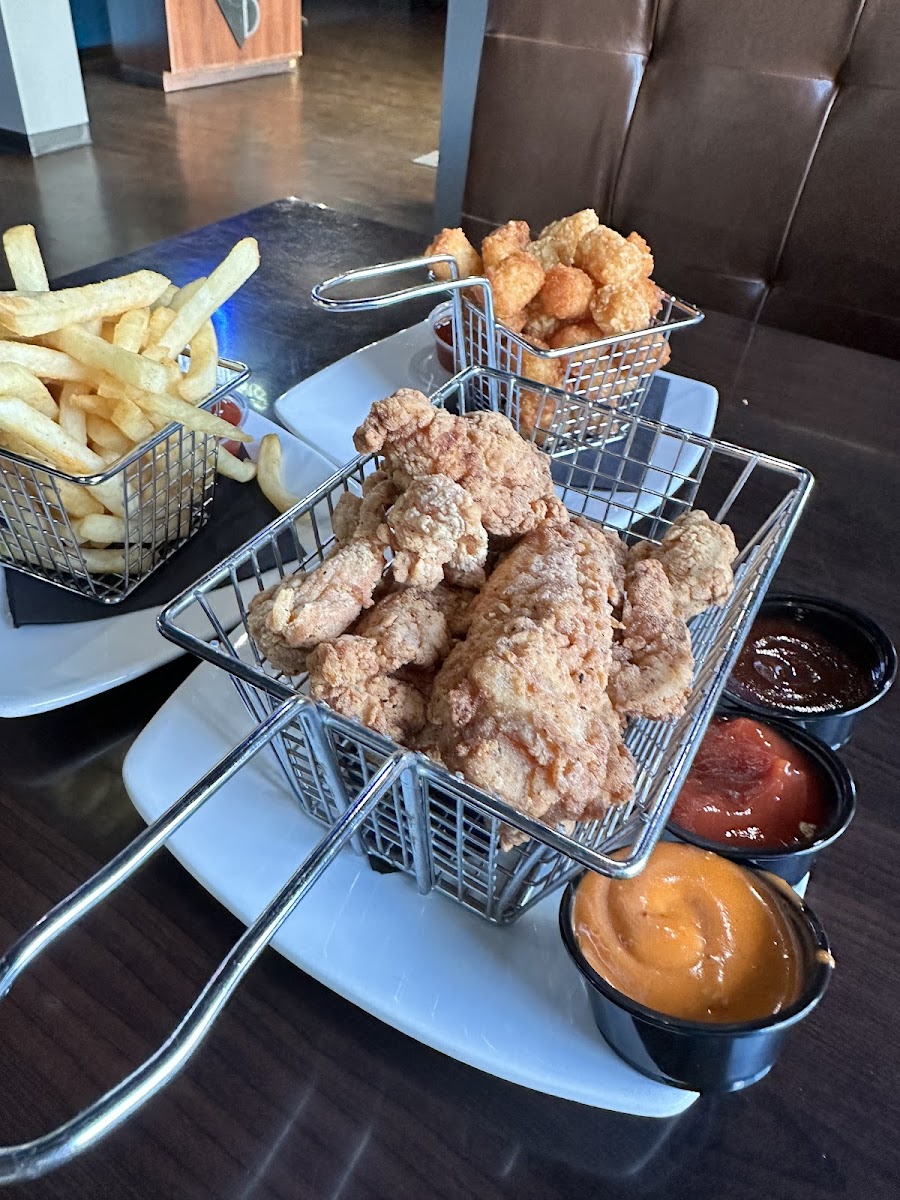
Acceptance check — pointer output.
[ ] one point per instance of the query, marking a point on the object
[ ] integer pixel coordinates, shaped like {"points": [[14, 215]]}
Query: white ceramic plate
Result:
{"points": [[327, 407], [505, 1000], [50, 666]]}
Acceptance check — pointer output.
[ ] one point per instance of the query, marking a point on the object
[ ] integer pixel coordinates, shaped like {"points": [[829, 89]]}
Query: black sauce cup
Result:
{"points": [[793, 863], [851, 631], [704, 1056]]}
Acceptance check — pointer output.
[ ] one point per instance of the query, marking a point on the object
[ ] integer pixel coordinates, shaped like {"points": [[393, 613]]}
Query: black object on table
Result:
{"points": [[299, 1094]]}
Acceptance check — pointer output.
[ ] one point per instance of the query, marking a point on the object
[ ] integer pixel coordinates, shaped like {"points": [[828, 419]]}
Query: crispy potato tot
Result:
{"points": [[514, 235], [48, 439], [268, 474], [16, 381], [515, 282], [234, 270], [114, 360], [578, 334], [455, 242], [164, 408], [201, 375], [45, 363], [566, 293], [37, 313], [609, 259], [106, 437], [620, 310], [240, 469], [24, 257], [130, 331]]}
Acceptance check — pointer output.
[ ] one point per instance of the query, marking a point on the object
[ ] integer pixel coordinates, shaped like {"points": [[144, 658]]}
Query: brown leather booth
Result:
{"points": [[754, 143]]}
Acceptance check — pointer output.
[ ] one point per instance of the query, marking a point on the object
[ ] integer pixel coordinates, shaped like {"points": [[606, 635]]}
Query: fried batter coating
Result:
{"points": [[652, 663], [455, 242], [435, 530], [345, 517], [497, 246], [696, 555], [515, 281], [346, 674], [508, 478], [566, 293]]}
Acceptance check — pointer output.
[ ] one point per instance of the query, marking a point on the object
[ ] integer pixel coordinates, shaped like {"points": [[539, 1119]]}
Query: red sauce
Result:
{"points": [[750, 786], [443, 332], [786, 664], [229, 410]]}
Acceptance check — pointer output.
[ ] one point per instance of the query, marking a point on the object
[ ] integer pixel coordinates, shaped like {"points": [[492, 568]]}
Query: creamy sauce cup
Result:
{"points": [[849, 630], [793, 863], [704, 1056]]}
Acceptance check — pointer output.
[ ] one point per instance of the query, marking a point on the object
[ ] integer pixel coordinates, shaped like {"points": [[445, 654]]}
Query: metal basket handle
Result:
{"points": [[30, 1160], [434, 287]]}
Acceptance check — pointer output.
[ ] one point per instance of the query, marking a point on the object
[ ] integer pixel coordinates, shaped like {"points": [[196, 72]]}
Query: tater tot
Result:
{"points": [[538, 324], [512, 236], [566, 293], [515, 282], [609, 259], [565, 234], [653, 295], [620, 310], [646, 256], [576, 335], [455, 242], [549, 371]]}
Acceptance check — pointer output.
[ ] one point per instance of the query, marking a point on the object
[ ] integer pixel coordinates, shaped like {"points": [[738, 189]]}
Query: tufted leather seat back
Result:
{"points": [[754, 143]]}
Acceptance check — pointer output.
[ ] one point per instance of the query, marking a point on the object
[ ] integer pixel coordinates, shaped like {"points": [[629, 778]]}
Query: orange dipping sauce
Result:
{"points": [[694, 936], [750, 786]]}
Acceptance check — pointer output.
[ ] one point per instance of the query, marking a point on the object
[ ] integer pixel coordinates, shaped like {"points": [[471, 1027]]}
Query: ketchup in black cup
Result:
{"points": [[764, 814], [441, 320], [813, 662]]}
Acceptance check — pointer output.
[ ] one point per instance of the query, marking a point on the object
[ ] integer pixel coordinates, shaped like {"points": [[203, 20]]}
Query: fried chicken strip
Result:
{"points": [[696, 555], [652, 663], [507, 477], [436, 530], [519, 708]]}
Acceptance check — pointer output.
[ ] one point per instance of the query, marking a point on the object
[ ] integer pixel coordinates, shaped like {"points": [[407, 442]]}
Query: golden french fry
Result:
{"points": [[104, 562], [234, 270], [36, 313], [241, 469], [48, 439], [16, 381], [129, 418], [165, 408], [160, 320], [24, 257], [166, 298], [268, 474], [89, 402], [130, 331], [77, 501], [106, 437], [45, 363], [114, 360], [174, 372], [100, 527], [94, 327], [71, 416], [201, 375], [181, 297]]}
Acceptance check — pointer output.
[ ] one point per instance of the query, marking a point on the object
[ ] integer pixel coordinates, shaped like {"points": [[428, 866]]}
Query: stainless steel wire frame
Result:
{"points": [[614, 371], [429, 823], [163, 490]]}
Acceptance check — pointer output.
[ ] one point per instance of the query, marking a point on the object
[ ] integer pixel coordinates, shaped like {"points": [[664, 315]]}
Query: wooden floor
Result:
{"points": [[342, 131]]}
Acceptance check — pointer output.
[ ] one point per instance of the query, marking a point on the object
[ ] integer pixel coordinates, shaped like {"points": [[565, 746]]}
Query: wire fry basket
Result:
{"points": [[612, 372], [402, 810], [432, 824], [163, 490]]}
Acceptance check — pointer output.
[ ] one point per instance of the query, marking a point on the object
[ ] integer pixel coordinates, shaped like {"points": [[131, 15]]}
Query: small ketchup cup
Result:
{"points": [[849, 630], [790, 863], [441, 321], [695, 1055]]}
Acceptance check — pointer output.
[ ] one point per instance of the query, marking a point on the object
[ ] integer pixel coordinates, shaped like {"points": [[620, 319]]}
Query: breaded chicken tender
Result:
{"points": [[515, 281], [455, 242], [497, 246], [436, 530], [566, 293], [346, 674], [696, 555]]}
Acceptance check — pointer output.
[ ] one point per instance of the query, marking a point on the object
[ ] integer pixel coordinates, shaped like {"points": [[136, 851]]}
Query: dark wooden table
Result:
{"points": [[297, 1093]]}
